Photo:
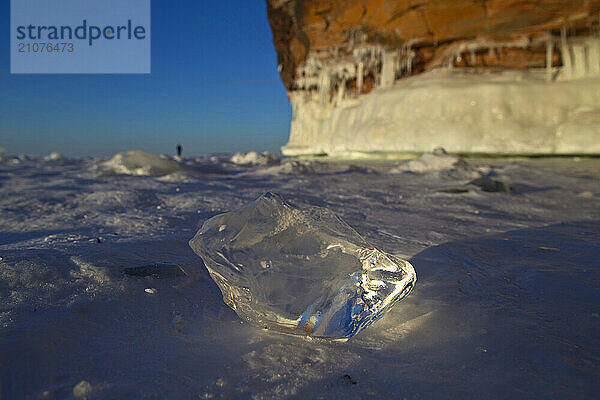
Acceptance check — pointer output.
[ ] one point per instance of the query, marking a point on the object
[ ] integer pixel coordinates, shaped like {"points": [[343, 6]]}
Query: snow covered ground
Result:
{"points": [[101, 297]]}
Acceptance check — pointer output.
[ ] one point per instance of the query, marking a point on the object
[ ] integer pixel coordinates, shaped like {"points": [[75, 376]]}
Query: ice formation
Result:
{"points": [[137, 162], [255, 158], [531, 111], [463, 111], [82, 389], [428, 162], [54, 156], [302, 271], [285, 167]]}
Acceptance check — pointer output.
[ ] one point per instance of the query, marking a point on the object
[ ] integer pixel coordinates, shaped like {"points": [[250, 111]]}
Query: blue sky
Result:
{"points": [[214, 87]]}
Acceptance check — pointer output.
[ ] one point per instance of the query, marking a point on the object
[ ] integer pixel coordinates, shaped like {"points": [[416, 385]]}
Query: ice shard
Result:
{"points": [[302, 271]]}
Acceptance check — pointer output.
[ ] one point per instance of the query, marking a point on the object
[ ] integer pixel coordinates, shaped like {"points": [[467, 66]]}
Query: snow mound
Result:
{"points": [[54, 156], [438, 160], [137, 162], [255, 158]]}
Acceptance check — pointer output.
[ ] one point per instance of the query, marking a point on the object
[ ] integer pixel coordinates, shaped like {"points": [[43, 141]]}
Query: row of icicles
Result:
{"points": [[327, 78]]}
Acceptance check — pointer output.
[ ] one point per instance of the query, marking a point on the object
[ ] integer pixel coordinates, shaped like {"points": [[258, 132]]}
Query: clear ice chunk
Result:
{"points": [[302, 271]]}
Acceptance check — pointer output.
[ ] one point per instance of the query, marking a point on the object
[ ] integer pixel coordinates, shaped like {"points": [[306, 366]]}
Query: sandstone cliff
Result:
{"points": [[435, 30], [330, 51]]}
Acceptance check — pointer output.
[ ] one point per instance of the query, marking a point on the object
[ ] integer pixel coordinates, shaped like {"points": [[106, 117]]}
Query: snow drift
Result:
{"points": [[137, 162]]}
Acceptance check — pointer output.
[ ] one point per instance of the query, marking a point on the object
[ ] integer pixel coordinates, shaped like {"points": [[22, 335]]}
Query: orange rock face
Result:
{"points": [[434, 30]]}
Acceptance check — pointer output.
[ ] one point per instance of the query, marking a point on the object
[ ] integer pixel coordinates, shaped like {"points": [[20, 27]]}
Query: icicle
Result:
{"points": [[409, 61], [593, 54], [341, 91], [324, 86], [491, 51], [549, 55], [579, 62], [473, 58], [359, 77], [388, 68], [565, 53]]}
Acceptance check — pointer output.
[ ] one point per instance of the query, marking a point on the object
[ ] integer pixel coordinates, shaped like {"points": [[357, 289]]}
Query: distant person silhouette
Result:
{"points": [[179, 148]]}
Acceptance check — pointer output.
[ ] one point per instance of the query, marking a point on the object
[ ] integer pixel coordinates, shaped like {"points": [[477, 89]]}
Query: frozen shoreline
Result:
{"points": [[506, 304], [508, 112]]}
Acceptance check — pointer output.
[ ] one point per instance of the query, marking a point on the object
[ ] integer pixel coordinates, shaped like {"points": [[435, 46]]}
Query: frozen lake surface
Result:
{"points": [[101, 296]]}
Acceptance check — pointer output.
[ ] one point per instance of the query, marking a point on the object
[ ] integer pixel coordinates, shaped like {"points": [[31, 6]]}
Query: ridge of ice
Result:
{"points": [[254, 158], [287, 167]]}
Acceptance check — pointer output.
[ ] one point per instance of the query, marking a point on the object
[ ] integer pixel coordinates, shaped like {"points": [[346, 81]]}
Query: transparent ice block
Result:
{"points": [[302, 271]]}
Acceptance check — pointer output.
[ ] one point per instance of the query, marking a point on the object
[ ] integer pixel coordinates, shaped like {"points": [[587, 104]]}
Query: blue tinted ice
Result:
{"points": [[302, 271]]}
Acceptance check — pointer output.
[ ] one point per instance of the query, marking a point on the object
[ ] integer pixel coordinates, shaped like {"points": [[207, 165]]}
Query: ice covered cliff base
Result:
{"points": [[510, 112], [302, 271]]}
